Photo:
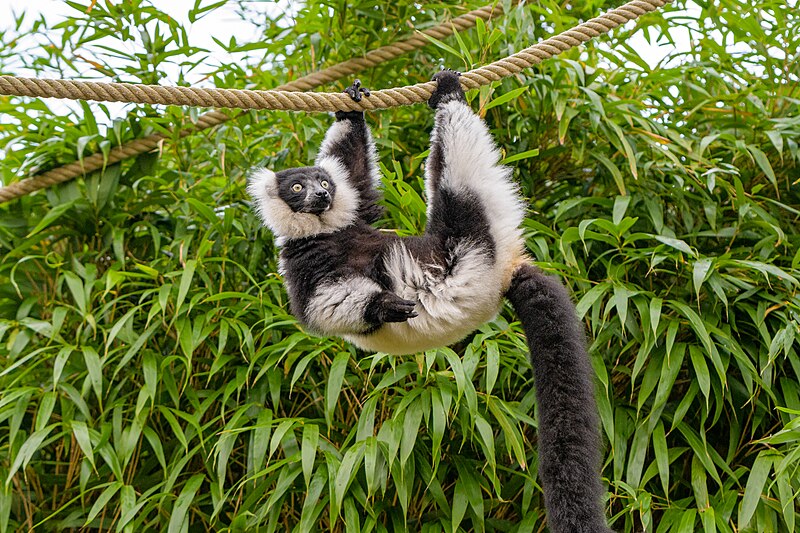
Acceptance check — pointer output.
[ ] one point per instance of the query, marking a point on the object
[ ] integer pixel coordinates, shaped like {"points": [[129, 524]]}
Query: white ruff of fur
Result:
{"points": [[338, 308], [449, 306], [285, 223]]}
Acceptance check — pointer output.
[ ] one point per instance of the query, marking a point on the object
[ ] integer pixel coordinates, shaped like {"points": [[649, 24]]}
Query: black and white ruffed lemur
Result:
{"points": [[405, 295]]}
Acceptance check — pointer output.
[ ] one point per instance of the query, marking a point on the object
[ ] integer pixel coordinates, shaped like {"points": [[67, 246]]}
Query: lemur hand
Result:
{"points": [[448, 88], [388, 307], [354, 91]]}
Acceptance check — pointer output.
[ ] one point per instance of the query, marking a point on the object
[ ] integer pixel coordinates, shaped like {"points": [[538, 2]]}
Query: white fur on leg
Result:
{"points": [[285, 223], [338, 308], [450, 304], [472, 162]]}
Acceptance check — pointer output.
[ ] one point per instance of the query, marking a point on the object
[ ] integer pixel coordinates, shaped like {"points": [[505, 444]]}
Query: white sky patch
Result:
{"points": [[223, 24]]}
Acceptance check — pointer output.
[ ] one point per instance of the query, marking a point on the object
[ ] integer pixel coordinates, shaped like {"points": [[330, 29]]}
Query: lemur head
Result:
{"points": [[306, 201], [306, 189]]}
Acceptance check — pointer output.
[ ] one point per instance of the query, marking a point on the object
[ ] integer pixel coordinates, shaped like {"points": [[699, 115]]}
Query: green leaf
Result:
{"points": [[492, 365], [51, 216], [178, 520], [700, 370], [699, 484], [763, 163], [675, 243], [411, 421], [755, 487], [309, 450], [347, 471], [81, 433], [28, 449], [186, 282], [502, 99], [612, 168], [655, 314], [95, 368], [700, 273], [520, 156], [620, 208], [103, 500], [459, 505], [334, 387], [662, 455], [592, 295]]}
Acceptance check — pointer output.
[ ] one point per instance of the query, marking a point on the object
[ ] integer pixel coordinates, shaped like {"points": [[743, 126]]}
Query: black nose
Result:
{"points": [[322, 194]]}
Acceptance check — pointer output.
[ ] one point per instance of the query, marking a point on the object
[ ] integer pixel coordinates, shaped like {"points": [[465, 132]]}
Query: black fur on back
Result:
{"points": [[569, 437]]}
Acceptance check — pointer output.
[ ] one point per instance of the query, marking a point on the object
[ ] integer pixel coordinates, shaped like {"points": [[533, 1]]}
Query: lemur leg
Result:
{"points": [[354, 305], [349, 149], [468, 191]]}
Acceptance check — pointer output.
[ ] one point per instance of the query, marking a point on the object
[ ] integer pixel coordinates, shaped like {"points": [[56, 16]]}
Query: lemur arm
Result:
{"points": [[353, 306], [349, 145]]}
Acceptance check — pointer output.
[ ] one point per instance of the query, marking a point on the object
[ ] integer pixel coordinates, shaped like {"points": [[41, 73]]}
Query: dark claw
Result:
{"points": [[356, 90]]}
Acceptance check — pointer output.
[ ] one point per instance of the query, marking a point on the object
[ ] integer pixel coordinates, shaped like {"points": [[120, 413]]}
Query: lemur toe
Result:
{"points": [[445, 73]]}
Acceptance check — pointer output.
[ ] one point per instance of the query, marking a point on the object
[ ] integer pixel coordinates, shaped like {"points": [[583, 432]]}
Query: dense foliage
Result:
{"points": [[150, 374]]}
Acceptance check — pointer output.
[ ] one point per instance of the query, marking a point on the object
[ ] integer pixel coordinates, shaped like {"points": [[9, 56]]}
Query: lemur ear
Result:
{"points": [[262, 186], [260, 182]]}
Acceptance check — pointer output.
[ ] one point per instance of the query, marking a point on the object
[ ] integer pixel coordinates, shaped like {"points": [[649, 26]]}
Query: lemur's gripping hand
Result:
{"points": [[354, 91], [448, 88], [388, 307]]}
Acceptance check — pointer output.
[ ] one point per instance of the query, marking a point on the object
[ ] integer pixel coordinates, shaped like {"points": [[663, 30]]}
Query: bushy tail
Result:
{"points": [[569, 439]]}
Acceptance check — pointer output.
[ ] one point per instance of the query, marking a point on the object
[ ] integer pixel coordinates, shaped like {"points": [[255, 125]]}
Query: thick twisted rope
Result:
{"points": [[287, 98], [214, 118]]}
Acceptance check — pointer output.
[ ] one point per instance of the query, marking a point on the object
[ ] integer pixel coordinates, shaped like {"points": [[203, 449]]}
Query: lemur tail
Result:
{"points": [[569, 438]]}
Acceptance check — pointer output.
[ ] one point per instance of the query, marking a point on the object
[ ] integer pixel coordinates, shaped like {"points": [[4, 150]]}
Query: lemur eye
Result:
{"points": [[297, 187], [324, 184]]}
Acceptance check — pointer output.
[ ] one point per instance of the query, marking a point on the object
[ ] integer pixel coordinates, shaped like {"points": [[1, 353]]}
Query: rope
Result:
{"points": [[283, 99], [288, 100], [214, 118]]}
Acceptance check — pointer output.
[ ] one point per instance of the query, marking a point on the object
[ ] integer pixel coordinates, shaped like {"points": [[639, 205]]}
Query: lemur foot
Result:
{"points": [[448, 88], [388, 307], [354, 91]]}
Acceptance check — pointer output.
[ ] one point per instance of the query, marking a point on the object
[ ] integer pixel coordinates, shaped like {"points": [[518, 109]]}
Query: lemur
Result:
{"points": [[405, 295]]}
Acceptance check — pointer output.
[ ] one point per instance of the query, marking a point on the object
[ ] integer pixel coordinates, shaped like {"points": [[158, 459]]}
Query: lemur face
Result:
{"points": [[301, 202], [306, 189]]}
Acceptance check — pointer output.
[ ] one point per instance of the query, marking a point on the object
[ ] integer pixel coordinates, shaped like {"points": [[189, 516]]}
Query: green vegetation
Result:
{"points": [[151, 377]]}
